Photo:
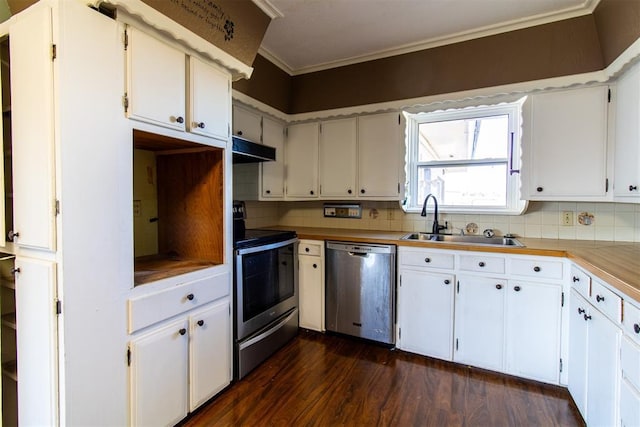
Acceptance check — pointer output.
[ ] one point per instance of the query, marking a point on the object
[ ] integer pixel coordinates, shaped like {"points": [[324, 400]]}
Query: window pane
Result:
{"points": [[465, 139], [481, 185]]}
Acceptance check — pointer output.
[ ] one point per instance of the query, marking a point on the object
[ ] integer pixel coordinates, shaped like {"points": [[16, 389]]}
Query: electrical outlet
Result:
{"points": [[567, 218]]}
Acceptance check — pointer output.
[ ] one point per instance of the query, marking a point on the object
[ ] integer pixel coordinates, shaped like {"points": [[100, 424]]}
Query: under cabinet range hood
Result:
{"points": [[245, 151]]}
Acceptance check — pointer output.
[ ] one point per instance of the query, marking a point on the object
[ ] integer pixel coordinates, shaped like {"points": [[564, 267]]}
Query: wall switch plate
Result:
{"points": [[342, 211], [567, 218]]}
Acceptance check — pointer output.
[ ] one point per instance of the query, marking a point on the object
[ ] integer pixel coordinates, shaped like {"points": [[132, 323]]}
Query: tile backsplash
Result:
{"points": [[609, 221]]}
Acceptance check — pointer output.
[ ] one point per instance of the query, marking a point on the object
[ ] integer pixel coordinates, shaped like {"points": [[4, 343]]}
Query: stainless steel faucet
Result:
{"points": [[436, 226]]}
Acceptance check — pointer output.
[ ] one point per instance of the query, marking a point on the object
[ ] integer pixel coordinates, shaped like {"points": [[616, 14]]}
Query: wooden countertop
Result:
{"points": [[617, 263]]}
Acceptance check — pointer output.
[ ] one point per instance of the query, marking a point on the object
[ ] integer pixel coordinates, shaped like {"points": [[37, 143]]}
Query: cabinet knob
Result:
{"points": [[599, 298], [311, 192], [586, 317], [427, 260], [517, 288], [200, 322], [315, 265], [306, 249], [447, 281], [180, 119], [12, 235], [633, 187], [362, 191], [239, 133], [576, 279], [581, 310], [536, 269], [498, 286], [481, 264], [636, 328], [182, 331], [539, 189], [201, 125], [349, 191], [15, 270], [190, 297], [268, 191]]}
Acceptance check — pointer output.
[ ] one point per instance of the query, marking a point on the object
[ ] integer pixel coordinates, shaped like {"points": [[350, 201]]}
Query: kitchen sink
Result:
{"points": [[462, 239]]}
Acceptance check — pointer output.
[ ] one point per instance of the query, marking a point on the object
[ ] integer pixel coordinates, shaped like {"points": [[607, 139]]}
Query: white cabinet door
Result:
{"points": [[247, 124], [272, 173], [380, 141], [32, 130], [626, 180], [568, 145], [338, 158], [533, 330], [209, 100], [425, 313], [301, 155], [210, 352], [311, 280], [36, 341], [155, 81], [479, 322], [578, 351], [629, 405], [602, 370], [159, 364]]}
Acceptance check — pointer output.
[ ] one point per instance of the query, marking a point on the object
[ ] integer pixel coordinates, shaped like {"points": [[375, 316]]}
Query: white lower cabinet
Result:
{"points": [[311, 284], [179, 365], [630, 383], [594, 352]]}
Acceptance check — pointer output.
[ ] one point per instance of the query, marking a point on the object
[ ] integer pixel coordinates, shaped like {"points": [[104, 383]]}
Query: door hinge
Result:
{"points": [[54, 52], [456, 344], [561, 364], [128, 356], [609, 95], [399, 333], [606, 185], [400, 281], [57, 207], [58, 306], [126, 40], [398, 188], [398, 118], [458, 287], [125, 102], [562, 301]]}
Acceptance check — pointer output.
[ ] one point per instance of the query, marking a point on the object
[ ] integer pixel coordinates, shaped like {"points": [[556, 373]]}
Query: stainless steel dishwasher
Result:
{"points": [[360, 293]]}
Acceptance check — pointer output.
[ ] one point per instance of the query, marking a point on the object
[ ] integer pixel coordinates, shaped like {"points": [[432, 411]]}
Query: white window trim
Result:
{"points": [[514, 205]]}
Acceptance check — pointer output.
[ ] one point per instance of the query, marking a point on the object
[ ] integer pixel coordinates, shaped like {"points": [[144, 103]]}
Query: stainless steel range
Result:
{"points": [[265, 292]]}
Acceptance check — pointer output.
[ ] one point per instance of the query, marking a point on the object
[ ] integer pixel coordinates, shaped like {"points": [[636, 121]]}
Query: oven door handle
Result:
{"points": [[270, 331], [262, 248]]}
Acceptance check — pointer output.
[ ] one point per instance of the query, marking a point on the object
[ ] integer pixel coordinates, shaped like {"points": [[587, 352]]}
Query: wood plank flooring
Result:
{"points": [[326, 380]]}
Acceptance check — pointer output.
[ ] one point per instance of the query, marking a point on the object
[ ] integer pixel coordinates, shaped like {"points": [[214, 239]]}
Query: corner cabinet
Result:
{"points": [[626, 180], [565, 145]]}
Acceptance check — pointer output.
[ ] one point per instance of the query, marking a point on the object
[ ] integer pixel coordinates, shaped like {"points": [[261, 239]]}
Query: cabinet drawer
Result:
{"points": [[630, 362], [532, 267], [309, 247], [431, 259], [631, 321], [482, 264], [606, 301], [149, 309], [580, 281]]}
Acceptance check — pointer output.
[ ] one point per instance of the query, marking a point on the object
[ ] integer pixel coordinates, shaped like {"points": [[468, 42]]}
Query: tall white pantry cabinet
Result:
{"points": [[73, 220]]}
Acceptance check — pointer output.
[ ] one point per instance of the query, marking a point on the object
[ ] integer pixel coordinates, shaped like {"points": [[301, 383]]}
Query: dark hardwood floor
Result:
{"points": [[325, 380]]}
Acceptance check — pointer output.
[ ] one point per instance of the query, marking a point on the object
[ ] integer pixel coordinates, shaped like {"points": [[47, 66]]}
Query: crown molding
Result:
{"points": [[269, 9], [587, 7]]}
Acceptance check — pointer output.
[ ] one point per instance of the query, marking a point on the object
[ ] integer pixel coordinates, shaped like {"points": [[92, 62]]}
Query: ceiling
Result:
{"points": [[312, 35]]}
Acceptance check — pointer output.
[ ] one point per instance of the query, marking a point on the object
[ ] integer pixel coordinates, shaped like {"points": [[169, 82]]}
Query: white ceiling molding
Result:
{"points": [[269, 9], [585, 8]]}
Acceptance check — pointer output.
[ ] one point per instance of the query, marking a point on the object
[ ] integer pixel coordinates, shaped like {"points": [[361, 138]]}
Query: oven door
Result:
{"points": [[266, 285]]}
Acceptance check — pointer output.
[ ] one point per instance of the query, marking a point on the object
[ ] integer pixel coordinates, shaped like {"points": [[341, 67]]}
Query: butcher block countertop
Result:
{"points": [[617, 263]]}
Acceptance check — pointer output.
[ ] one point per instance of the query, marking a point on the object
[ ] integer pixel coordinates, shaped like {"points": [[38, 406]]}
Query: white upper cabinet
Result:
{"points": [[626, 180], [380, 142], [155, 81], [247, 124], [566, 147], [32, 120], [272, 173], [209, 100], [338, 158], [301, 156]]}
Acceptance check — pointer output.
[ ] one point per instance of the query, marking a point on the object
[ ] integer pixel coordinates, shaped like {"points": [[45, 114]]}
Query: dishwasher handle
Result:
{"points": [[360, 254]]}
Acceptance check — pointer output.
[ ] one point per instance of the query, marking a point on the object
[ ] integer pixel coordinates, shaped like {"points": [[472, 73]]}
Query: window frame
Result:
{"points": [[514, 204]]}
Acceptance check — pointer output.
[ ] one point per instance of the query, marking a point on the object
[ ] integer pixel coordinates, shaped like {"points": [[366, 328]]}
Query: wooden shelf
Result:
{"points": [[155, 267], [10, 369], [9, 320]]}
